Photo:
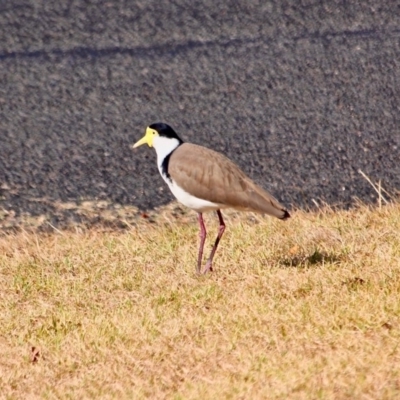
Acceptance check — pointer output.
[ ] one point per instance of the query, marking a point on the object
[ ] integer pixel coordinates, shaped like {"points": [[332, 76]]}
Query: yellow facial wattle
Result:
{"points": [[147, 138]]}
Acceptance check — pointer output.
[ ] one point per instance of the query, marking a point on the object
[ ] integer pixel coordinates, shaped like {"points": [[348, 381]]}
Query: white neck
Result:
{"points": [[164, 146]]}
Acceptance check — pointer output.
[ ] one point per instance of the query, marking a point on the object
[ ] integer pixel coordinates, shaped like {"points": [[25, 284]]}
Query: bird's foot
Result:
{"points": [[208, 267]]}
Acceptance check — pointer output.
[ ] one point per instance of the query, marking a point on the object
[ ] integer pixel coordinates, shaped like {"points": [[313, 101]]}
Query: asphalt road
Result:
{"points": [[301, 94]]}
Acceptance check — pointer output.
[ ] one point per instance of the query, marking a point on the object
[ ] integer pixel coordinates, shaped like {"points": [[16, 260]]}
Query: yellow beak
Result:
{"points": [[146, 139]]}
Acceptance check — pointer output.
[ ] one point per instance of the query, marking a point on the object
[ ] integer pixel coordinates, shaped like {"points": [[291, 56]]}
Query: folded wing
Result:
{"points": [[209, 175]]}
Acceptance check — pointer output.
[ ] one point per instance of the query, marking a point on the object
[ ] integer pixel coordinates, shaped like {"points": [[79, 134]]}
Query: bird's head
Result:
{"points": [[159, 134]]}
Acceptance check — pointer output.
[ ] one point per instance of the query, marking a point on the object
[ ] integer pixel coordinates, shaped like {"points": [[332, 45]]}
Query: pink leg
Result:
{"points": [[203, 235], [221, 230]]}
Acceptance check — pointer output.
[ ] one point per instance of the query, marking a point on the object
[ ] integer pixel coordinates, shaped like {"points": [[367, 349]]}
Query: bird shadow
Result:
{"points": [[317, 258]]}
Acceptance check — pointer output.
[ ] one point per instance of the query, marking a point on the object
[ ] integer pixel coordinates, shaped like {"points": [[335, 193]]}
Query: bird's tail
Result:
{"points": [[285, 215]]}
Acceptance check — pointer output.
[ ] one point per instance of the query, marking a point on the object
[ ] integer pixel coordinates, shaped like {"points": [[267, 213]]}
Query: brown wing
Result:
{"points": [[211, 176]]}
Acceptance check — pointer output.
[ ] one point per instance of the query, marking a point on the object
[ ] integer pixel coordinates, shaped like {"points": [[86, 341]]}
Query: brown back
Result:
{"points": [[211, 176]]}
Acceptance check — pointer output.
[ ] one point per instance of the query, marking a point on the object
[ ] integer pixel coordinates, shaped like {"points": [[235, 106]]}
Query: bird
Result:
{"points": [[205, 180]]}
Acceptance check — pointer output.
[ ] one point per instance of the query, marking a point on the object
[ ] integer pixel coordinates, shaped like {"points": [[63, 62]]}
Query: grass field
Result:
{"points": [[303, 309]]}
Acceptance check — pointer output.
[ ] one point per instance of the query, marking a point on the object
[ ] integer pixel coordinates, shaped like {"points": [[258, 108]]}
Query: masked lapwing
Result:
{"points": [[205, 180]]}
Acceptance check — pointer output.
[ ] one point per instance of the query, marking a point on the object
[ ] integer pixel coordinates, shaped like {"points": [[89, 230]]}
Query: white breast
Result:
{"points": [[164, 146], [188, 200]]}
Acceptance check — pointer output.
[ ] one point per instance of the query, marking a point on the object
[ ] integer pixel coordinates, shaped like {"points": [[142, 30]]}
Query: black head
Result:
{"points": [[165, 130]]}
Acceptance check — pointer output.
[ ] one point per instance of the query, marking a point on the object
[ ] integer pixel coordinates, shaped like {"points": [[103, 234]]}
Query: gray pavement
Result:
{"points": [[301, 94]]}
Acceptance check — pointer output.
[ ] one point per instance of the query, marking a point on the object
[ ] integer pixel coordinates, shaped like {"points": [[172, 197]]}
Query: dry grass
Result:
{"points": [[305, 309]]}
